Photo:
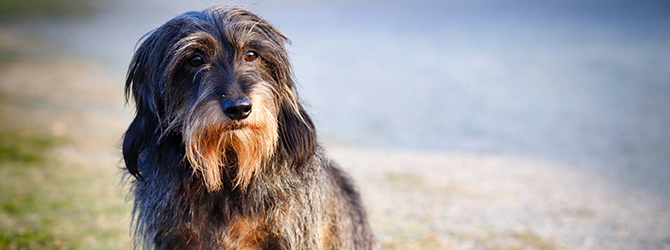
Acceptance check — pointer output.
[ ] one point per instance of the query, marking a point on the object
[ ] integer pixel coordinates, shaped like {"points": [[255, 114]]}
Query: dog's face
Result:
{"points": [[221, 80]]}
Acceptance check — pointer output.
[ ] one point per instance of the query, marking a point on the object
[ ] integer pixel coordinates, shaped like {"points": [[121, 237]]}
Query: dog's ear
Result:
{"points": [[297, 134], [143, 82], [138, 135], [150, 67], [143, 87]]}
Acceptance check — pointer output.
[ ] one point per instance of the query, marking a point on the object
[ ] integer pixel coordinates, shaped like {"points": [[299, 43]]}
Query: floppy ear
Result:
{"points": [[141, 86], [144, 74], [297, 134], [138, 135]]}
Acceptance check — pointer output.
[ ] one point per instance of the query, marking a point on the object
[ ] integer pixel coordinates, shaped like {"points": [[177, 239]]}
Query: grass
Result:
{"points": [[27, 208], [45, 204], [23, 147]]}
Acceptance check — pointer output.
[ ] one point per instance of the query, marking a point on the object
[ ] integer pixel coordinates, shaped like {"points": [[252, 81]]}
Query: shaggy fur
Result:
{"points": [[209, 179]]}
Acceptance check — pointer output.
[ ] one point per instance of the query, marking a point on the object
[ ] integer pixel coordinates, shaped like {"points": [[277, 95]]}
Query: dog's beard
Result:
{"points": [[214, 142]]}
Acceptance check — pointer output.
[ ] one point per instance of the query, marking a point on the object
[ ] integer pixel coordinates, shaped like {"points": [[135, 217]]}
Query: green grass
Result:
{"points": [[23, 146], [45, 204], [48, 203], [27, 209], [30, 240]]}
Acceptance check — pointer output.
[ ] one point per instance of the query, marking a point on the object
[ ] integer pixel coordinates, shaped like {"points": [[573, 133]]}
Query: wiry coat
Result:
{"points": [[204, 181]]}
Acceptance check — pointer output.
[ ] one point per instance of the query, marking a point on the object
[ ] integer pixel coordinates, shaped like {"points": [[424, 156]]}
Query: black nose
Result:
{"points": [[237, 109]]}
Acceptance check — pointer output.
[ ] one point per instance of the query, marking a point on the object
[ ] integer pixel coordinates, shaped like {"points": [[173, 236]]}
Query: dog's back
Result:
{"points": [[224, 155]]}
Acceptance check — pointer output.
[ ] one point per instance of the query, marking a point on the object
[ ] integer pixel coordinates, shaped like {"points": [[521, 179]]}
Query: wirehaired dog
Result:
{"points": [[224, 154]]}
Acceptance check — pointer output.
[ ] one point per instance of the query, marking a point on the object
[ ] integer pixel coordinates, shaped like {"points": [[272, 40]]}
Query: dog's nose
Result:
{"points": [[237, 109]]}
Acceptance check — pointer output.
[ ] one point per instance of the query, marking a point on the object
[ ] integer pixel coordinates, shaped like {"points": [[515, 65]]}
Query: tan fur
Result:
{"points": [[211, 135], [245, 233]]}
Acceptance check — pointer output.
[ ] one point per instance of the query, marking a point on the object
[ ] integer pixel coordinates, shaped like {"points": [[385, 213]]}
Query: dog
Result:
{"points": [[221, 153]]}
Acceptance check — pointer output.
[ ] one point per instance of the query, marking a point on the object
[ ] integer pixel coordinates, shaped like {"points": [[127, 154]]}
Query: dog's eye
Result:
{"points": [[196, 61], [250, 56]]}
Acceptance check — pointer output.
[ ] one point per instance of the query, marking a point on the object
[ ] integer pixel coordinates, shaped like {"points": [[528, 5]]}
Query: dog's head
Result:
{"points": [[220, 80]]}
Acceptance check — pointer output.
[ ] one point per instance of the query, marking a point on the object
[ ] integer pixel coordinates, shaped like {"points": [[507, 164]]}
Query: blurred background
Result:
{"points": [[482, 124]]}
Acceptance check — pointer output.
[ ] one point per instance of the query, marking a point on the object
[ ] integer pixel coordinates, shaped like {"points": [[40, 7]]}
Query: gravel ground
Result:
{"points": [[420, 200], [508, 126]]}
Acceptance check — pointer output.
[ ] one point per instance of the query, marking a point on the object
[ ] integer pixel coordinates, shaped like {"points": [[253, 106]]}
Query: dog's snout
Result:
{"points": [[237, 109]]}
